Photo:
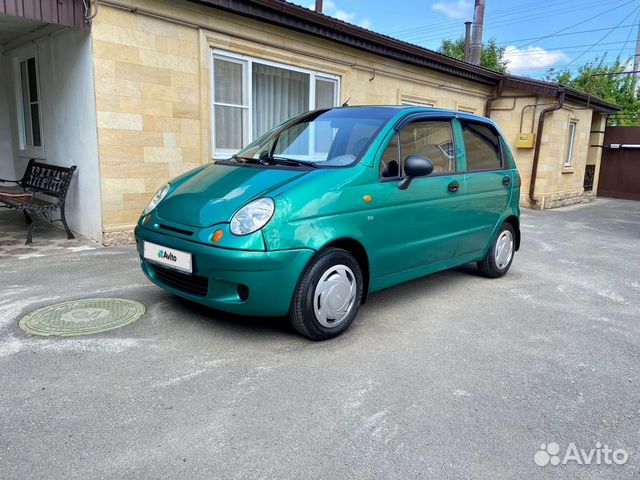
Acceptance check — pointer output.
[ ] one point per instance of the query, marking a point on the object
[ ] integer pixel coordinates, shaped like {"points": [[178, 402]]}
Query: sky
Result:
{"points": [[538, 35]]}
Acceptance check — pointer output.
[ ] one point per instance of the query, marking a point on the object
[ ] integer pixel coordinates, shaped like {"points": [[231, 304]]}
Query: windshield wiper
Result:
{"points": [[290, 161], [261, 161]]}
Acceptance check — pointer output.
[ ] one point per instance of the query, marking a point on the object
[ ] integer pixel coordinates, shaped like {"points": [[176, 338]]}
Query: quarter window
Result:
{"points": [[482, 146], [431, 139], [251, 96]]}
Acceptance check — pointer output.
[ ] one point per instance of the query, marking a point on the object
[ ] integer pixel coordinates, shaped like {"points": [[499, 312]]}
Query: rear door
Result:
{"points": [[487, 180]]}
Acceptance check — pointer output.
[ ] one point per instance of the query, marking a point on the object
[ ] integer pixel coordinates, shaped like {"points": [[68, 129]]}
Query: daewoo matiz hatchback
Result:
{"points": [[333, 205]]}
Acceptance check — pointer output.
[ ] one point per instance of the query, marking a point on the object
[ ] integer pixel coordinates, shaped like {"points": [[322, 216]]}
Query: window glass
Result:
{"points": [[229, 108], [482, 146], [30, 103], [228, 82], [278, 94], [431, 139], [389, 163], [229, 122], [325, 92], [568, 160], [334, 138], [250, 97]]}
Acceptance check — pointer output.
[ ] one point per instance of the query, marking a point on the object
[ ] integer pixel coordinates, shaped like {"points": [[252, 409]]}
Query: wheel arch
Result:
{"points": [[515, 223], [355, 248]]}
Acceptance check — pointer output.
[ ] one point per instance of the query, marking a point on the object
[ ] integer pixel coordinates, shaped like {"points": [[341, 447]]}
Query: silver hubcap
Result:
{"points": [[504, 249], [335, 296]]}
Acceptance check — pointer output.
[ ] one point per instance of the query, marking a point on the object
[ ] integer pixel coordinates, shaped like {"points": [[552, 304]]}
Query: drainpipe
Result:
{"points": [[536, 151], [491, 98], [88, 16]]}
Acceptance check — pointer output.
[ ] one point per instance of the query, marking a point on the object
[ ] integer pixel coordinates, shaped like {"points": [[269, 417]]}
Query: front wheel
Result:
{"points": [[327, 296], [499, 257]]}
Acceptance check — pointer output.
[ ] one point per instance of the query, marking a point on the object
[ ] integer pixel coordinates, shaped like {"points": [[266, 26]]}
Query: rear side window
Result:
{"points": [[482, 145]]}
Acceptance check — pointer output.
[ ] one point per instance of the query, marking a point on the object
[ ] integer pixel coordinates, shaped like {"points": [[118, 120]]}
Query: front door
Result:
{"points": [[419, 225], [488, 184]]}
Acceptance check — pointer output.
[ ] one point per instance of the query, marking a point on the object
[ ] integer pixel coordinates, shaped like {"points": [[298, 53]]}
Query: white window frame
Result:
{"points": [[571, 137], [25, 150], [247, 63]]}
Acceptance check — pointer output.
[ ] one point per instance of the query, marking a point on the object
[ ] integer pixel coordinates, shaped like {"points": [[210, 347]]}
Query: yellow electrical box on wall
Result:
{"points": [[525, 140]]}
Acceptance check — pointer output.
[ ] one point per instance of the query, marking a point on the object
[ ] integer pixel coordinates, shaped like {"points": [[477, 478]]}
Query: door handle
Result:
{"points": [[506, 181], [453, 187]]}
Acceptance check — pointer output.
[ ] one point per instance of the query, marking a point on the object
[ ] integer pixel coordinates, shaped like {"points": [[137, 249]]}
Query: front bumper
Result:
{"points": [[270, 277]]}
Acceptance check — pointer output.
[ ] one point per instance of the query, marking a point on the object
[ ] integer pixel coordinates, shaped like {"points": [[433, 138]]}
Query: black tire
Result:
{"points": [[302, 312], [489, 266]]}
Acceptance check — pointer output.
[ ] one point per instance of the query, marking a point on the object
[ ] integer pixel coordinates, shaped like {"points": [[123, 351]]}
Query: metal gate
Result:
{"points": [[620, 167]]}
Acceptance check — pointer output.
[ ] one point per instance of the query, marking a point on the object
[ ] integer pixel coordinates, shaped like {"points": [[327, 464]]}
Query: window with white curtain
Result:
{"points": [[251, 96], [28, 103], [568, 158]]}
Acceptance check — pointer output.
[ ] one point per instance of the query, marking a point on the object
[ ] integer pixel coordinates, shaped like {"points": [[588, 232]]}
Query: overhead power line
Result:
{"points": [[563, 35], [556, 33], [604, 36], [520, 11], [444, 30]]}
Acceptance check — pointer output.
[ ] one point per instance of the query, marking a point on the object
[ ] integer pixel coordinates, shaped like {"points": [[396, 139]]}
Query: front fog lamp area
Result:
{"points": [[157, 198], [253, 216]]}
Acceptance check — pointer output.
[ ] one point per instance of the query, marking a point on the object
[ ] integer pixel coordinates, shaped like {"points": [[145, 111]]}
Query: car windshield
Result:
{"points": [[322, 138]]}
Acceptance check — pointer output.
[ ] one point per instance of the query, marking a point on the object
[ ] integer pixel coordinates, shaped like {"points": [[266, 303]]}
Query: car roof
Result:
{"points": [[410, 109]]}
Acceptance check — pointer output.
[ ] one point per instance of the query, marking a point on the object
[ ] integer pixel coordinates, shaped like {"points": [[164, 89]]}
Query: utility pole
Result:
{"points": [[636, 57], [318, 6], [467, 41], [476, 36]]}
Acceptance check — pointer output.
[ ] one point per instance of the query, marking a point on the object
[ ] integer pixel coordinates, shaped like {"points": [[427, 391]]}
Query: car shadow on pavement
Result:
{"points": [[433, 284], [268, 326], [232, 323]]}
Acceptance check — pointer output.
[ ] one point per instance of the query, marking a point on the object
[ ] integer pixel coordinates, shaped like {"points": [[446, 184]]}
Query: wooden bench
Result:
{"points": [[42, 189]]}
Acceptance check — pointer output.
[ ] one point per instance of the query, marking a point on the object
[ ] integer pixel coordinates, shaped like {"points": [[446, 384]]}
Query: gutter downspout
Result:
{"points": [[536, 152], [491, 98]]}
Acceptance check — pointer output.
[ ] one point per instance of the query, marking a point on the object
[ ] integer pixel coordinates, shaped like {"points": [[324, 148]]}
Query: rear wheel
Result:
{"points": [[328, 295], [499, 257]]}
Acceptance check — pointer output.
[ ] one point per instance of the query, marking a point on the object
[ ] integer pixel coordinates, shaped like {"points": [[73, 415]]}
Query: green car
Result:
{"points": [[331, 206]]}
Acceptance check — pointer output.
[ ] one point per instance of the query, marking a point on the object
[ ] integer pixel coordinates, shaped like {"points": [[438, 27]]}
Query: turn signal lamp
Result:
{"points": [[217, 236]]}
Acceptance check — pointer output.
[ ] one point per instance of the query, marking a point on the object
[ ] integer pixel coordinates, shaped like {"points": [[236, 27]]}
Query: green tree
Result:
{"points": [[492, 54], [608, 82]]}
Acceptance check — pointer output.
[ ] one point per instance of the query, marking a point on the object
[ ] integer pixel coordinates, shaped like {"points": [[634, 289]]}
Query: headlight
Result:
{"points": [[160, 194], [253, 216]]}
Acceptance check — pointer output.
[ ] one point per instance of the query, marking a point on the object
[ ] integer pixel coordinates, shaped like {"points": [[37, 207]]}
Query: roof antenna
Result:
{"points": [[346, 104]]}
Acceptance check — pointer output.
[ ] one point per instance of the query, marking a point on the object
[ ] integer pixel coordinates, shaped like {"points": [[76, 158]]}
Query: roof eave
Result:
{"points": [[288, 15]]}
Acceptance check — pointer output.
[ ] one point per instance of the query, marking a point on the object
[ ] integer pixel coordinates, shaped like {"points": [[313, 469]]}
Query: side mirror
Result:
{"points": [[415, 166]]}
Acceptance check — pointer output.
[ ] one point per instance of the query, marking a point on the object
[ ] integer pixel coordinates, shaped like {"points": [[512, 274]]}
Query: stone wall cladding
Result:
{"points": [[147, 85]]}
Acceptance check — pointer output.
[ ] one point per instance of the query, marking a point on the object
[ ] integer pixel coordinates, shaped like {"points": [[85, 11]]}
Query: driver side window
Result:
{"points": [[431, 138]]}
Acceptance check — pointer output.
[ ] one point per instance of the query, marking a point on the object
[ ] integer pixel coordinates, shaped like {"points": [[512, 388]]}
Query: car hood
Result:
{"points": [[215, 193]]}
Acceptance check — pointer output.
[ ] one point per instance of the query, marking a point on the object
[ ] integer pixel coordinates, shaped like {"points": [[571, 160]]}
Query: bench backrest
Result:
{"points": [[52, 180]]}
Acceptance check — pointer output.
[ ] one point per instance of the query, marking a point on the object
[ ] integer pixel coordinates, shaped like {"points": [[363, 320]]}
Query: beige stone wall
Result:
{"points": [[555, 185], [152, 79], [147, 83], [596, 146]]}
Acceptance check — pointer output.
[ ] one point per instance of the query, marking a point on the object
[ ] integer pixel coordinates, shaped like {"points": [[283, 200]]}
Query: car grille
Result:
{"points": [[192, 284]]}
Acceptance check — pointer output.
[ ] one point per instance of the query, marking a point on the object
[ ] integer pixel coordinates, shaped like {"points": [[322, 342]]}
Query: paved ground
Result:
{"points": [[47, 238], [450, 376]]}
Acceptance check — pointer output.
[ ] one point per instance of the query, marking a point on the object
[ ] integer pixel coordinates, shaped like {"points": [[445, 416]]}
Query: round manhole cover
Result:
{"points": [[82, 317]]}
